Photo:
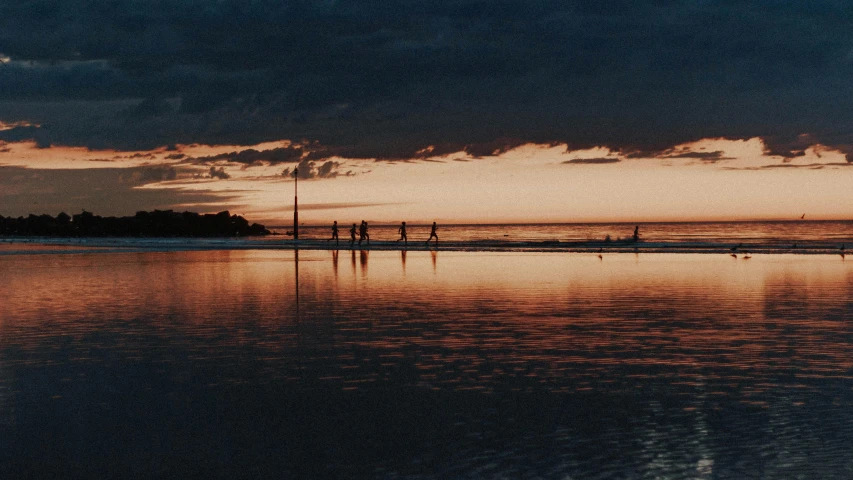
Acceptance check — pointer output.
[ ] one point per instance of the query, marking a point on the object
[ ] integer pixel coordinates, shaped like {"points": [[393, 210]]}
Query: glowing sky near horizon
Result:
{"points": [[713, 179]]}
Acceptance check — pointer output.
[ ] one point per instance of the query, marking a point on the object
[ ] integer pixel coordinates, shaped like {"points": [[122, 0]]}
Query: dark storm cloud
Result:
{"points": [[386, 79]]}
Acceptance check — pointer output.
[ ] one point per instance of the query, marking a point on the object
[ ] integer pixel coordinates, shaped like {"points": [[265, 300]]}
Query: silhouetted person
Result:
{"points": [[363, 233], [403, 236], [636, 236], [352, 235], [433, 234], [334, 233]]}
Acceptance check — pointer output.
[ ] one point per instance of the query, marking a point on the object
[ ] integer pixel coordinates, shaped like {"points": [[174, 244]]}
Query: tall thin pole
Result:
{"points": [[295, 204]]}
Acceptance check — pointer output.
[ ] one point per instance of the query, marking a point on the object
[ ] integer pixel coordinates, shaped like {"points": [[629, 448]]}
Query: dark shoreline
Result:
{"points": [[157, 223]]}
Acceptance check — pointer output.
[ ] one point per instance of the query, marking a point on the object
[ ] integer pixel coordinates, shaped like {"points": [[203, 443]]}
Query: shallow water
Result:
{"points": [[828, 232], [776, 237], [377, 364]]}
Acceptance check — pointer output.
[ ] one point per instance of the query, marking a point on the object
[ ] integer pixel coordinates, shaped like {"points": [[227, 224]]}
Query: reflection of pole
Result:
{"points": [[296, 266], [295, 204]]}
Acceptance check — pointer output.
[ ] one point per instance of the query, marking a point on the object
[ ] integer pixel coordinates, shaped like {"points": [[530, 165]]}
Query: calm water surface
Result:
{"points": [[780, 232], [251, 364]]}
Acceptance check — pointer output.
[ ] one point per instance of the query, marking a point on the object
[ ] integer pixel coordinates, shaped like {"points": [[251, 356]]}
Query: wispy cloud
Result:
{"points": [[308, 169], [106, 191], [591, 161], [706, 157]]}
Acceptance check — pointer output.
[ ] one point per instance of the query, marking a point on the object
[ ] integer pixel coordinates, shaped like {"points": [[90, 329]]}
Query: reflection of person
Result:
{"points": [[352, 235], [636, 236], [334, 233], [403, 236], [433, 234]]}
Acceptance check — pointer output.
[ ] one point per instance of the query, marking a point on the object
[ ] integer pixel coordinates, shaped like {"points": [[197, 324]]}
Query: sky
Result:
{"points": [[446, 110]]}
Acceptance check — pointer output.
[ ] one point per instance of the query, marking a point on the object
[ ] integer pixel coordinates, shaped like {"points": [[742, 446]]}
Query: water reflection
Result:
{"points": [[296, 280], [362, 257], [501, 365]]}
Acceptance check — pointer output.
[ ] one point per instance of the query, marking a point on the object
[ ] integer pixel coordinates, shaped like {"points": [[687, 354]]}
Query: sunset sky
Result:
{"points": [[454, 110]]}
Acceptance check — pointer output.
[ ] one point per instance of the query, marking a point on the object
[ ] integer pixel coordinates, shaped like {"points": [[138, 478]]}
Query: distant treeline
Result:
{"points": [[159, 223]]}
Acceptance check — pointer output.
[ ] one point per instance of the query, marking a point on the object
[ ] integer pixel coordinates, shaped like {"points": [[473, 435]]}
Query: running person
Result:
{"points": [[334, 233], [352, 235], [433, 234], [403, 236]]}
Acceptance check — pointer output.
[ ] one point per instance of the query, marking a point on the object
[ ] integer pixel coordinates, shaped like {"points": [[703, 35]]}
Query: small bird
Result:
{"points": [[804, 216], [746, 256], [733, 255]]}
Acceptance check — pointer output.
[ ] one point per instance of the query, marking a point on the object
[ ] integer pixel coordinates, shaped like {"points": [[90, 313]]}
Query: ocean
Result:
{"points": [[283, 363]]}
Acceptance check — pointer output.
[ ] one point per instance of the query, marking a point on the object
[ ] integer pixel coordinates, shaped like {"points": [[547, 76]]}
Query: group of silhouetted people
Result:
{"points": [[364, 235]]}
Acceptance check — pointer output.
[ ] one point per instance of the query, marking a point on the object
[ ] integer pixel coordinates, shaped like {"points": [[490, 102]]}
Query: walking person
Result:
{"points": [[334, 233], [352, 235], [433, 234], [403, 236]]}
